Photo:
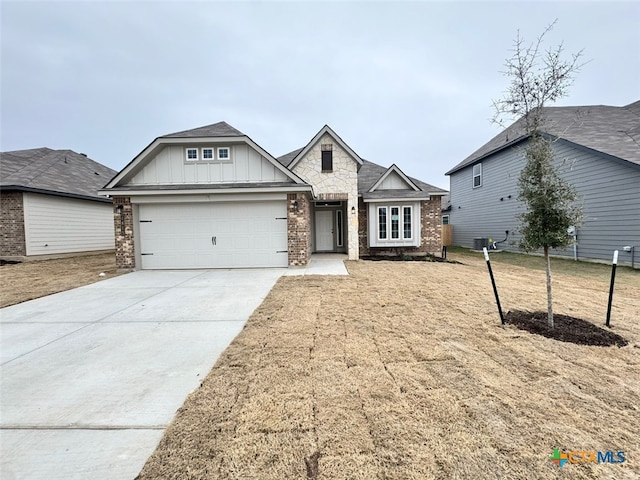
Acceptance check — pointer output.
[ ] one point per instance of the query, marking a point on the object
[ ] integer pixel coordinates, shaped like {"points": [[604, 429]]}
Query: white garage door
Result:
{"points": [[213, 235]]}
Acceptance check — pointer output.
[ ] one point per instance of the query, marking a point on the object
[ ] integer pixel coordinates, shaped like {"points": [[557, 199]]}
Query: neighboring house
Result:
{"points": [[50, 203], [211, 197], [597, 150]]}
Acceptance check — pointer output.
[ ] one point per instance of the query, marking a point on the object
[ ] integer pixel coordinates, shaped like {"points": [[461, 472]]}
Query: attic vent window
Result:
{"points": [[327, 157], [224, 153], [191, 154]]}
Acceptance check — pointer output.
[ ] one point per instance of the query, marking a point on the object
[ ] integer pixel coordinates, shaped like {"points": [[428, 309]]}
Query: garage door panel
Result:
{"points": [[211, 235]]}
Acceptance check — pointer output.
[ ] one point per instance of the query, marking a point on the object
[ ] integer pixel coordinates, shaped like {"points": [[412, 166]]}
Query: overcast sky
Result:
{"points": [[409, 83]]}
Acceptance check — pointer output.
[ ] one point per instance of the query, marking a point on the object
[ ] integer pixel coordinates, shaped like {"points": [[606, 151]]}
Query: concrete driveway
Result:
{"points": [[91, 377]]}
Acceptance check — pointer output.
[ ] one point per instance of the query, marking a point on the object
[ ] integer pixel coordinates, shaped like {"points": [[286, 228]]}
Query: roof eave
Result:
{"points": [[54, 193], [468, 162]]}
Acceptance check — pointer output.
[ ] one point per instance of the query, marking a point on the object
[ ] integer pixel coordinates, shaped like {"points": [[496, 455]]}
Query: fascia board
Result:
{"points": [[132, 192]]}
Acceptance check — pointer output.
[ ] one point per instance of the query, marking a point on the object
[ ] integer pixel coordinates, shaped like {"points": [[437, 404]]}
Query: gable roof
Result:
{"points": [[54, 172], [219, 131], [370, 173], [607, 129], [326, 129], [394, 169]]}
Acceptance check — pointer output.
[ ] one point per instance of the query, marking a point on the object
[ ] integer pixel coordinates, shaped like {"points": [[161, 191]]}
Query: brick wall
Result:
{"points": [[430, 233], [123, 224], [431, 225], [299, 228], [12, 237]]}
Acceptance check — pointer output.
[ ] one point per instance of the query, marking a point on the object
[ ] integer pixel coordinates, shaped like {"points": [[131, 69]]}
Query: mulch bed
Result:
{"points": [[566, 329], [407, 258]]}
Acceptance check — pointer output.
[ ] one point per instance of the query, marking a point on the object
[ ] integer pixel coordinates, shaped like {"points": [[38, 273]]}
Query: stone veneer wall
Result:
{"points": [[12, 236], [299, 228], [341, 183], [123, 225], [430, 231]]}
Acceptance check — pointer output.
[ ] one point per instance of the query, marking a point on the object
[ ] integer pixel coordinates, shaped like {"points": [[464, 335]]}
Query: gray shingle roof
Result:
{"points": [[62, 172], [287, 158], [220, 129], [611, 130], [369, 174]]}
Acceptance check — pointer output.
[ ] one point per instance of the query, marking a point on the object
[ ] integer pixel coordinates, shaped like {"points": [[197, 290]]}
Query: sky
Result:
{"points": [[409, 83]]}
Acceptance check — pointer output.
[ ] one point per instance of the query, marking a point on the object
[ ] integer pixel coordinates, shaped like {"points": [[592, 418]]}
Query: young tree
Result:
{"points": [[537, 79]]}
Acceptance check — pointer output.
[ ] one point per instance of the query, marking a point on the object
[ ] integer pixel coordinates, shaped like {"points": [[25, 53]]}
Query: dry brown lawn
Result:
{"points": [[25, 281], [401, 371]]}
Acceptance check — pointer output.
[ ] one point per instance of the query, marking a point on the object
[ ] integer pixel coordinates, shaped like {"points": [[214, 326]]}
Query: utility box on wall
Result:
{"points": [[447, 235]]}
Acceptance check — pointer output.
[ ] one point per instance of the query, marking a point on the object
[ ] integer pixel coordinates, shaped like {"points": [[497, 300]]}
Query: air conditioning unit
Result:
{"points": [[480, 243]]}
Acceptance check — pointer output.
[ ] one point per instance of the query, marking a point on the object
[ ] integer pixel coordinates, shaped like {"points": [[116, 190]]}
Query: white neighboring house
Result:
{"points": [[50, 204]]}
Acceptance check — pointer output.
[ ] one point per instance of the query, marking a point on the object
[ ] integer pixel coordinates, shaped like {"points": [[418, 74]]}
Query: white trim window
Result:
{"points": [[382, 223], [477, 175], [224, 154], [207, 153], [191, 154], [394, 225]]}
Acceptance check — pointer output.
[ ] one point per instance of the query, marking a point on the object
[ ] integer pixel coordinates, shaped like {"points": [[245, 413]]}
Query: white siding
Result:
{"points": [[169, 167], [65, 225], [393, 182]]}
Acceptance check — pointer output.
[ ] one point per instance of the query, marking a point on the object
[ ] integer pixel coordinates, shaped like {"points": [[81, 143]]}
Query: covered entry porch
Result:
{"points": [[329, 226]]}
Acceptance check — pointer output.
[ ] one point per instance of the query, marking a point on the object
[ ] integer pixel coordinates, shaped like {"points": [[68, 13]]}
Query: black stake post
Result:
{"points": [[493, 282], [613, 279]]}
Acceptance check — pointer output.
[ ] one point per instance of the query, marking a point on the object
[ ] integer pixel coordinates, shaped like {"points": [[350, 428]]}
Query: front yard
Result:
{"points": [[402, 371]]}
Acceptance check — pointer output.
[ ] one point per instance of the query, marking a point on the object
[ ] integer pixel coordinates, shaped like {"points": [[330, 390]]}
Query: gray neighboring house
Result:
{"points": [[597, 151], [50, 204]]}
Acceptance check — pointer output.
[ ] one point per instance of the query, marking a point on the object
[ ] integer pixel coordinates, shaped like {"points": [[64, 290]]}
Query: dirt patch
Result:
{"points": [[566, 329], [402, 371], [34, 279]]}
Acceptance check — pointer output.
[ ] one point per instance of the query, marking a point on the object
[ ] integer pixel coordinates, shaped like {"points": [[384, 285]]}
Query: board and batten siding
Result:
{"points": [[608, 189], [169, 167], [56, 225], [393, 182]]}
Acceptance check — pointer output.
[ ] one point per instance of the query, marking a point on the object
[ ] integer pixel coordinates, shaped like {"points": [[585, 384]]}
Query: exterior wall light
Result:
{"points": [[295, 206], [353, 210], [119, 209]]}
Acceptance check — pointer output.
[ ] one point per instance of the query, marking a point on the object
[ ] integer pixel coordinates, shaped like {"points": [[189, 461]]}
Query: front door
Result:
{"points": [[324, 231]]}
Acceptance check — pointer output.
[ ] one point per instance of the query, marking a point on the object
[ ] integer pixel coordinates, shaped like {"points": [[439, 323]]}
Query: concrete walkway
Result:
{"points": [[322, 264], [91, 377]]}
